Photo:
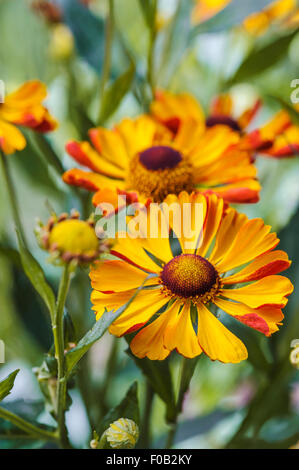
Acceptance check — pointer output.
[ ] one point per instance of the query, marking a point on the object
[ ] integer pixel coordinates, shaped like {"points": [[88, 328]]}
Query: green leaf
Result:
{"points": [[232, 15], [7, 384], [261, 59], [115, 93], [187, 374], [36, 276], [97, 331], [177, 37], [127, 408], [159, 376], [45, 149], [288, 107]]}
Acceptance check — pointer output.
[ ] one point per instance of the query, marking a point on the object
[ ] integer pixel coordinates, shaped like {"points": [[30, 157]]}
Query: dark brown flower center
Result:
{"points": [[189, 275], [160, 157], [224, 120]]}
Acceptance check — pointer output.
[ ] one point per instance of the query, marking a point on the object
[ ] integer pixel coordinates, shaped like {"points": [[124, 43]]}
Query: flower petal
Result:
{"points": [[252, 240], [11, 138], [263, 319], [144, 306], [84, 154], [264, 265], [216, 340], [132, 251], [229, 227], [180, 334], [150, 340], [89, 180], [110, 145], [186, 218], [137, 134], [271, 290], [116, 275], [212, 222]]}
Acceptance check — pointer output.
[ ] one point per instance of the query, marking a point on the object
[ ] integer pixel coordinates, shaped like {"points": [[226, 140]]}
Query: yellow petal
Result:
{"points": [[116, 276], [252, 240], [180, 334], [216, 340], [139, 312], [271, 290], [150, 340]]}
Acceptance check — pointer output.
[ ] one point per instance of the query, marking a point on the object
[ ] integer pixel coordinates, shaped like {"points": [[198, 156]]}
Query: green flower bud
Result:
{"points": [[122, 434]]}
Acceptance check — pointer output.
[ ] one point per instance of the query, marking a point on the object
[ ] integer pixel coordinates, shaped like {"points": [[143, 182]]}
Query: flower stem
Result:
{"points": [[151, 49], [145, 437], [59, 354], [31, 429], [12, 196], [107, 54]]}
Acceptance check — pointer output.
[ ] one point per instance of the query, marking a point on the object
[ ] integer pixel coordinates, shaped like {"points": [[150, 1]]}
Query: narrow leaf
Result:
{"points": [[159, 376], [97, 331], [116, 92], [127, 408], [44, 148], [7, 384], [36, 276], [260, 60], [232, 15]]}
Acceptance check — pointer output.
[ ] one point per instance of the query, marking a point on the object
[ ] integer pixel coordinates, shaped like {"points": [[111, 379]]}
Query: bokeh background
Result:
{"points": [[203, 61]]}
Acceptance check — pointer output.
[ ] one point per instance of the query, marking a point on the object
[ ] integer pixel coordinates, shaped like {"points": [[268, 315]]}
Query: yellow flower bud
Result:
{"points": [[69, 239], [62, 42]]}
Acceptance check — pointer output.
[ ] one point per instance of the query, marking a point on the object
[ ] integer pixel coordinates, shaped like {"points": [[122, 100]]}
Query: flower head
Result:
{"points": [[69, 239], [23, 108], [145, 156], [277, 138], [226, 261], [278, 12]]}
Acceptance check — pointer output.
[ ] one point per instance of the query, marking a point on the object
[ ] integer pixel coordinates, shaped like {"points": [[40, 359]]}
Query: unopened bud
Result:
{"points": [[121, 434]]}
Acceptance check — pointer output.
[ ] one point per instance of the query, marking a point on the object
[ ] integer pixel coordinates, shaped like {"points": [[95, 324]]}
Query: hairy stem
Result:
{"points": [[59, 354], [145, 437], [32, 430]]}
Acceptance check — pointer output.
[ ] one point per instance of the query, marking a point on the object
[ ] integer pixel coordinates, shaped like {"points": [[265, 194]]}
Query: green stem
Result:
{"points": [[107, 53], [151, 50], [59, 354], [12, 196], [29, 428], [145, 437]]}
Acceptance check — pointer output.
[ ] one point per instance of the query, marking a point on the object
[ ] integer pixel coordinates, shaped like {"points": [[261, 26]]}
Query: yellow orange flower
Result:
{"points": [[145, 156], [279, 11], [234, 267], [277, 138], [23, 108]]}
